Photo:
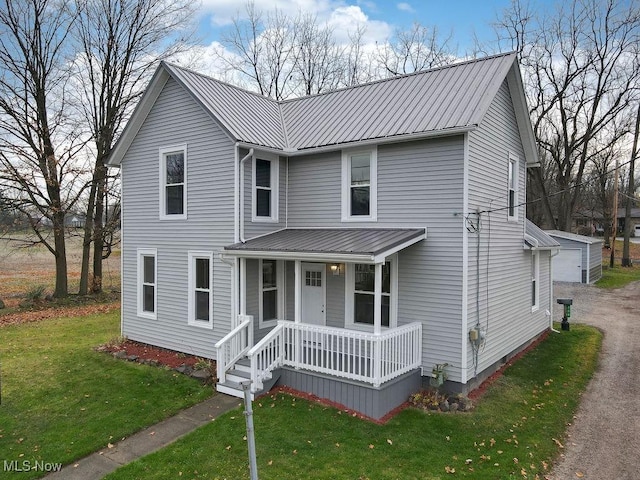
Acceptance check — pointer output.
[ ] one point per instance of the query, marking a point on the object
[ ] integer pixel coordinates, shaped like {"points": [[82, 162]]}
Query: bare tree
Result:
{"points": [[262, 50], [38, 141], [631, 191], [418, 48], [580, 76], [319, 65], [119, 43]]}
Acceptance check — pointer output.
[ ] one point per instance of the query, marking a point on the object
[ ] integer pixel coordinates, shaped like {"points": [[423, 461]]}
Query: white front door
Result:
{"points": [[313, 293]]}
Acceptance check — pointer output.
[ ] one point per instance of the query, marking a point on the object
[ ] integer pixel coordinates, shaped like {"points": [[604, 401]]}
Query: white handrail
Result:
{"points": [[233, 346], [351, 354]]}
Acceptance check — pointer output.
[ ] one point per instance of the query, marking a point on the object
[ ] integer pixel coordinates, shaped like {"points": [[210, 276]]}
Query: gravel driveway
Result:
{"points": [[604, 439]]}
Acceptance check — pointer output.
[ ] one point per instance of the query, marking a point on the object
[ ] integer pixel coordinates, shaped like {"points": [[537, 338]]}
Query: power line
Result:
{"points": [[577, 185]]}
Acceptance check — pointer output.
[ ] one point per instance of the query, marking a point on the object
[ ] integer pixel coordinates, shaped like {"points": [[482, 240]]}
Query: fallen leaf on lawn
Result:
{"points": [[558, 442], [492, 442], [270, 462], [337, 445], [371, 445], [449, 469], [228, 447], [389, 441], [515, 460], [295, 452], [468, 461], [109, 445]]}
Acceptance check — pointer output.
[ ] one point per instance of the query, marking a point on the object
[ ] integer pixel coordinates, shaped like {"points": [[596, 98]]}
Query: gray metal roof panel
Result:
{"points": [[573, 236], [247, 116], [349, 241], [450, 97], [540, 236]]}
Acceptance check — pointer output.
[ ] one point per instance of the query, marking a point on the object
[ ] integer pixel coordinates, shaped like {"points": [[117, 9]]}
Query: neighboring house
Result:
{"points": [[344, 244], [592, 223], [580, 257]]}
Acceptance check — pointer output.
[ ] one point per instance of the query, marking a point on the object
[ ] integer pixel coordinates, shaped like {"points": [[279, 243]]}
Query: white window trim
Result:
{"points": [[280, 286], [535, 258], [275, 188], [350, 292], [515, 161], [164, 151], [373, 187], [193, 256], [147, 252]]}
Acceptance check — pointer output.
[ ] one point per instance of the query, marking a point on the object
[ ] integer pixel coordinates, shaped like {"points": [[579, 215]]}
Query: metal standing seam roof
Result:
{"points": [[573, 236], [351, 243], [446, 98], [537, 238]]}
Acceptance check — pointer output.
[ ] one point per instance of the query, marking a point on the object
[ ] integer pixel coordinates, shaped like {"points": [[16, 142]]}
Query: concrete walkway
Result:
{"points": [[99, 464]]}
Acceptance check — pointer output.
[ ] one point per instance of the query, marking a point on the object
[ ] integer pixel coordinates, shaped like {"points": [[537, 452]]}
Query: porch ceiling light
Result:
{"points": [[335, 269]]}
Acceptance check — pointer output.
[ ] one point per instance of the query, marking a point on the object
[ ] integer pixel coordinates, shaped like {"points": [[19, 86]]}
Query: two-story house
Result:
{"points": [[344, 244]]}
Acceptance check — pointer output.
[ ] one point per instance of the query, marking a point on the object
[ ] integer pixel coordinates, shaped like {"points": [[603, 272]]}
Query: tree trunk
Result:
{"points": [[98, 229], [626, 256], [86, 242], [61, 288]]}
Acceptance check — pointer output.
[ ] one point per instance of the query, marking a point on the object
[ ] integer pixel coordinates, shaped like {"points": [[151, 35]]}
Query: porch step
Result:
{"points": [[243, 365], [232, 386]]}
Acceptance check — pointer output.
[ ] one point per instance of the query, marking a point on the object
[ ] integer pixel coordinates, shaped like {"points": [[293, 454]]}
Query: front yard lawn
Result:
{"points": [[516, 431], [61, 400]]}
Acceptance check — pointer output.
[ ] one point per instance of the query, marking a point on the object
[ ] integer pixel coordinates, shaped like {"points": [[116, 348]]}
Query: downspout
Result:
{"points": [[241, 194], [551, 255]]}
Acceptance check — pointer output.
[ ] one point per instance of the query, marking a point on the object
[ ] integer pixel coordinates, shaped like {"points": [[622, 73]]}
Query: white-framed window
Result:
{"points": [[359, 294], [147, 282], [360, 185], [265, 178], [535, 280], [271, 290], [173, 182], [201, 289], [512, 198]]}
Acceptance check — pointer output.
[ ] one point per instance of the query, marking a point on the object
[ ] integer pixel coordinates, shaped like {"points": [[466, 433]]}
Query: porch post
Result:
{"points": [[298, 291], [377, 300], [243, 286], [377, 324]]}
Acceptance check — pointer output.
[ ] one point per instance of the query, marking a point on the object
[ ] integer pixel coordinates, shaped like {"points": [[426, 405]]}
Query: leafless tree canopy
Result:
{"points": [[581, 70]]}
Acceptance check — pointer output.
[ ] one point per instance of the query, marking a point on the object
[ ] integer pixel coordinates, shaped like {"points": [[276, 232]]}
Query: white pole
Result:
{"points": [[251, 441]]}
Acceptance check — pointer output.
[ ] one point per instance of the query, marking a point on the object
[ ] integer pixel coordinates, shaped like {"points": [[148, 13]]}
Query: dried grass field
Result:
{"points": [[25, 267]]}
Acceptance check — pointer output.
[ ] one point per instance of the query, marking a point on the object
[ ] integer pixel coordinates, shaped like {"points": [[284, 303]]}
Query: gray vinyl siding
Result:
{"points": [[176, 119], [595, 262], [501, 265], [419, 184]]}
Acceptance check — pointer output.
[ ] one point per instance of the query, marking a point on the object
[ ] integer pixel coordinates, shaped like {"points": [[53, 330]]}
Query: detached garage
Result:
{"points": [[580, 257]]}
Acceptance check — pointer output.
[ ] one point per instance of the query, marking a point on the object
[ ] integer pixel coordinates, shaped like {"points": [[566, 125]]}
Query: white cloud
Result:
{"points": [[345, 20], [222, 12], [405, 7]]}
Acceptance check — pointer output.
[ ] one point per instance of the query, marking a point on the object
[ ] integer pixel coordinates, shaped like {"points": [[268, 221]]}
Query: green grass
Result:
{"points": [[513, 433], [61, 400], [618, 276]]}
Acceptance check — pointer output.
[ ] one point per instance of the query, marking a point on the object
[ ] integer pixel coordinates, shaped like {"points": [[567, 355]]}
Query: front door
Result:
{"points": [[313, 293]]}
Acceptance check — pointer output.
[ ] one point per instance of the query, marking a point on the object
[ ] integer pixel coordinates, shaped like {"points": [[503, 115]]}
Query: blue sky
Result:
{"points": [[461, 17]]}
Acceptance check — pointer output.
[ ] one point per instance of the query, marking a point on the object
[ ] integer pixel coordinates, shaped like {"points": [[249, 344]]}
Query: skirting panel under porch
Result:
{"points": [[374, 402]]}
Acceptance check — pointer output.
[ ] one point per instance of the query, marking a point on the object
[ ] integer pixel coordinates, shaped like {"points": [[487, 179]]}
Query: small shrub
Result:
{"points": [[35, 293]]}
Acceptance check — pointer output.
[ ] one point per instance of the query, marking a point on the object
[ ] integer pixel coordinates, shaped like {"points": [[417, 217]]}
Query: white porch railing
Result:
{"points": [[351, 354], [234, 346]]}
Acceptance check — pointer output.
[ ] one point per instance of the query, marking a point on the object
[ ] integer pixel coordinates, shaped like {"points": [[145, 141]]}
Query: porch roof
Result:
{"points": [[362, 245]]}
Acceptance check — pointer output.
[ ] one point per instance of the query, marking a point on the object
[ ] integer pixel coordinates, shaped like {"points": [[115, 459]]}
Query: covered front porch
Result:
{"points": [[321, 301]]}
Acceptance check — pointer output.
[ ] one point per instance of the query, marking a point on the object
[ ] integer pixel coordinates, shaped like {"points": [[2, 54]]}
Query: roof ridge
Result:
{"points": [[398, 77], [209, 77]]}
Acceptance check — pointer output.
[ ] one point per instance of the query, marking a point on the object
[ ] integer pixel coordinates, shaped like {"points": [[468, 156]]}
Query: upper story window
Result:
{"points": [[265, 189], [147, 283], [359, 185], [512, 207], [173, 182], [200, 289]]}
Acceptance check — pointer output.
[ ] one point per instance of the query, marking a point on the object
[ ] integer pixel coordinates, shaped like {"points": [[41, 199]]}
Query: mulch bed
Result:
{"points": [[143, 351]]}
